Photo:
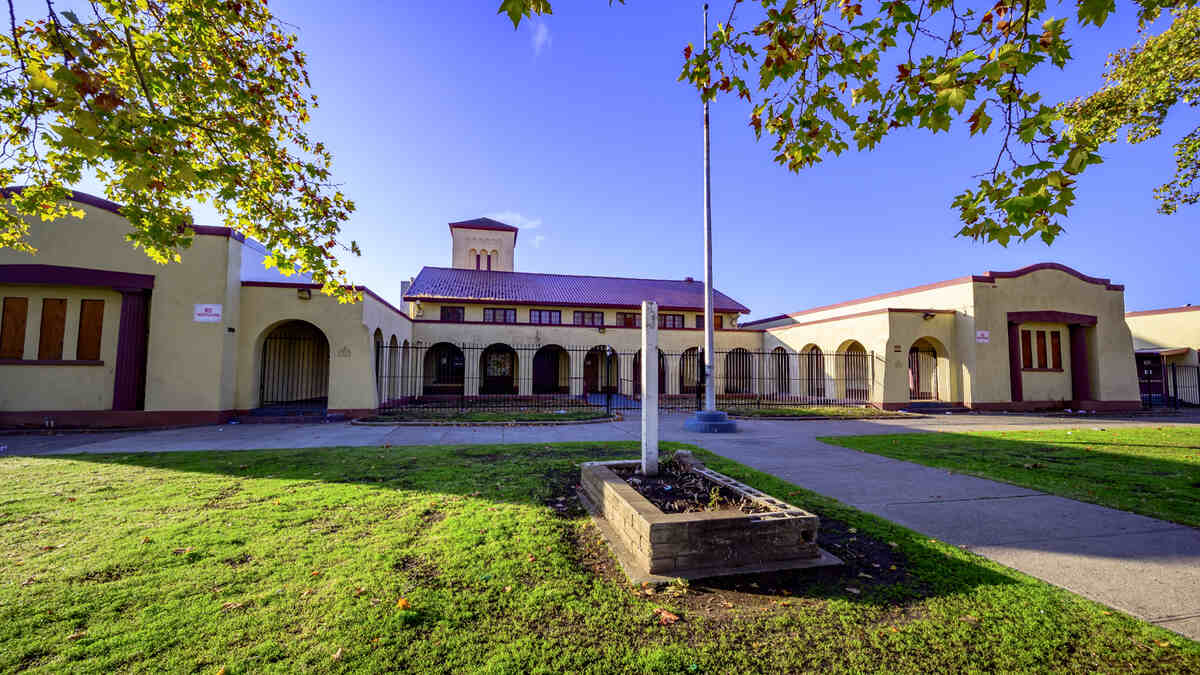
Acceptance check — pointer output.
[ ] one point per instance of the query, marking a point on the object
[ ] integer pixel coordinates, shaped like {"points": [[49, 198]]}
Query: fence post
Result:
{"points": [[1175, 385]]}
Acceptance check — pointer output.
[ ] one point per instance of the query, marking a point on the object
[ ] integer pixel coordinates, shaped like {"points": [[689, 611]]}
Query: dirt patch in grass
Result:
{"points": [[239, 560], [677, 490], [104, 576]]}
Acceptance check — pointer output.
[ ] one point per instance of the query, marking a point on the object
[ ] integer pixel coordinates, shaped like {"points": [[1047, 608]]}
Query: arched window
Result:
{"points": [[489, 262]]}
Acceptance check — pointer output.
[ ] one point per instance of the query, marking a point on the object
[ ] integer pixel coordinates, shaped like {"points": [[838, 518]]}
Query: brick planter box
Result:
{"points": [[656, 546]]}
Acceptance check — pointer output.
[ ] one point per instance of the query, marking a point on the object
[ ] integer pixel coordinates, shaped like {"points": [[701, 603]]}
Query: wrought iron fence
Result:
{"points": [[295, 368], [552, 377], [1183, 385]]}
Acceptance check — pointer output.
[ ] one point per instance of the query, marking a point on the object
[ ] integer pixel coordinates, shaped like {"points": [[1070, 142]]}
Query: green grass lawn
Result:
{"points": [[817, 411], [454, 559], [1152, 471], [468, 416]]}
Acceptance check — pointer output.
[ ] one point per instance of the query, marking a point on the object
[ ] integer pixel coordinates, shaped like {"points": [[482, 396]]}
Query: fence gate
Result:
{"points": [[295, 368], [922, 375]]}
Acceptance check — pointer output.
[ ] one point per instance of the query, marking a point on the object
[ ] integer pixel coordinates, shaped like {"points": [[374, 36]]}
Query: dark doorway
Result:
{"points": [[600, 371], [547, 370], [498, 370], [445, 368], [295, 368], [1151, 382], [637, 373]]}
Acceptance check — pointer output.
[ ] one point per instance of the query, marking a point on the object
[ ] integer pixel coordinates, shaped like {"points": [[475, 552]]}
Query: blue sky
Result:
{"points": [[576, 124]]}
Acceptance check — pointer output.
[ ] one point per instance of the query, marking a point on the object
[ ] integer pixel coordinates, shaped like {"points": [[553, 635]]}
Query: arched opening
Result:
{"points": [[779, 371], [393, 370], [738, 371], [854, 372], [812, 362], [406, 387], [445, 368], [550, 366], [923, 358], [691, 369], [498, 370], [600, 370], [637, 373], [295, 367], [380, 379]]}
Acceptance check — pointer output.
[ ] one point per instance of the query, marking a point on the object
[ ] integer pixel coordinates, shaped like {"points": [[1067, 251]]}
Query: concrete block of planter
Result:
{"points": [[655, 546]]}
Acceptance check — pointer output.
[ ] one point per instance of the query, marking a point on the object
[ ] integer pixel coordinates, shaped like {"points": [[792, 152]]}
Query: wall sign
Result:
{"points": [[983, 336], [206, 313]]}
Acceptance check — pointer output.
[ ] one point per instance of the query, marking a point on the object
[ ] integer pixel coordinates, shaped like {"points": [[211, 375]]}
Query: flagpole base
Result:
{"points": [[710, 422]]}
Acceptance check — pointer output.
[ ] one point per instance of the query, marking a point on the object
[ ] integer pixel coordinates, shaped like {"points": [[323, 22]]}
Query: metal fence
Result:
{"points": [[295, 368], [552, 377], [1183, 385]]}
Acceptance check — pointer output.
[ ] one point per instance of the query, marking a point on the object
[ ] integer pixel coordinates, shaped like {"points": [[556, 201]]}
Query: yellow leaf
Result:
{"points": [[403, 603]]}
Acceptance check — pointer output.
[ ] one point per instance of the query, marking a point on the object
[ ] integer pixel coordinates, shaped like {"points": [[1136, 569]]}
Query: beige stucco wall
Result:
{"points": [[464, 241], [349, 328], [1168, 329], [1112, 371], [61, 387], [180, 370]]}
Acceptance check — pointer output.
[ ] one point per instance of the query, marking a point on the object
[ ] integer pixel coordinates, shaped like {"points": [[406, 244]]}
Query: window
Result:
{"points": [[476, 261], [54, 323], [12, 328], [589, 318], [629, 319], [91, 325], [545, 316], [718, 322], [489, 262], [1049, 357], [454, 314], [670, 321], [498, 315]]}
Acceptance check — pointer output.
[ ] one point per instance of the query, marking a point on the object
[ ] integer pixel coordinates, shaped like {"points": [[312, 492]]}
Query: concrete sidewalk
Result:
{"points": [[1143, 566]]}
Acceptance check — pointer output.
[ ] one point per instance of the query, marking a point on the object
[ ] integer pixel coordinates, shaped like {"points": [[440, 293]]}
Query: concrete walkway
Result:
{"points": [[1146, 567]]}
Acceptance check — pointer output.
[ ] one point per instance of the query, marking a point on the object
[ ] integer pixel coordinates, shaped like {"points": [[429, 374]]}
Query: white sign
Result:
{"points": [[983, 336], [206, 314]]}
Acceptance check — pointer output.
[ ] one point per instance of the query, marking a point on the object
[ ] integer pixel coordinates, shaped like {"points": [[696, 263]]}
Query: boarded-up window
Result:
{"points": [[54, 323], [12, 328], [91, 326], [1041, 347], [1055, 350], [1026, 349]]}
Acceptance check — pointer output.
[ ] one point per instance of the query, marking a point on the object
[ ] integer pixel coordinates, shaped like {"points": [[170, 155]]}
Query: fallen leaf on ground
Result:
{"points": [[77, 634], [508, 589], [664, 617], [403, 603], [337, 656], [29, 581], [359, 591], [231, 605], [973, 620], [145, 540], [221, 671], [316, 573], [182, 551], [307, 592]]}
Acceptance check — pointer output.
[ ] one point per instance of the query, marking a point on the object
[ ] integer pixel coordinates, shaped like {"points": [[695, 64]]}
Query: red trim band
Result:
{"points": [[1168, 310], [47, 362], [57, 275], [362, 289]]}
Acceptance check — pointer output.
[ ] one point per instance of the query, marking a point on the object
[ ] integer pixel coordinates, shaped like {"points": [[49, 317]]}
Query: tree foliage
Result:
{"points": [[166, 101], [825, 76]]}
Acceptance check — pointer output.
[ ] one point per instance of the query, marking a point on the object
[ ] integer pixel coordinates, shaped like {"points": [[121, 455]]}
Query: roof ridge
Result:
{"points": [[557, 274]]}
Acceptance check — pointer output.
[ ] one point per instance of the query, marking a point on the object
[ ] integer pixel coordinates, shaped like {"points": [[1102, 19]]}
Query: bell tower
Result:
{"points": [[483, 244]]}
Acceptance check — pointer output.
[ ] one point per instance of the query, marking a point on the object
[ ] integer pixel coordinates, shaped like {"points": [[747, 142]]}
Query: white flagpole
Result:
{"points": [[710, 391]]}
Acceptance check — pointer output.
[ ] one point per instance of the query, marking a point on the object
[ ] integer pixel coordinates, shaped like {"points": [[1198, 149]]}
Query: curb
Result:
{"points": [[362, 422], [799, 418]]}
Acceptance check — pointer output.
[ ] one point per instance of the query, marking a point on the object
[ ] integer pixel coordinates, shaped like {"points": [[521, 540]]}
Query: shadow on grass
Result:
{"points": [[886, 565]]}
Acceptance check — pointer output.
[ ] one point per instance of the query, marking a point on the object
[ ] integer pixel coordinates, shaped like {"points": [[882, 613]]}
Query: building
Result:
{"points": [[94, 333], [1165, 343], [1045, 336]]}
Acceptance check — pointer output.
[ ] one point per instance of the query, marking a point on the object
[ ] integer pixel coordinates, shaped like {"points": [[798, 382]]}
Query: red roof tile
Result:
{"points": [[524, 288], [485, 224]]}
